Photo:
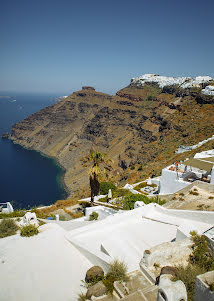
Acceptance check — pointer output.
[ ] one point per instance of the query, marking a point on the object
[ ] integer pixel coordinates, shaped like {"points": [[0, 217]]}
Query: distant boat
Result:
{"points": [[13, 100]]}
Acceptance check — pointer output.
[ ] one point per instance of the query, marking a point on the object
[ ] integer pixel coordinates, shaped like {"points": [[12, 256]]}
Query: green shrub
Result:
{"points": [[93, 216], [118, 271], [202, 254], [104, 200], [8, 227], [188, 276], [15, 213], [29, 230], [129, 200], [141, 185], [200, 262], [120, 192], [105, 186]]}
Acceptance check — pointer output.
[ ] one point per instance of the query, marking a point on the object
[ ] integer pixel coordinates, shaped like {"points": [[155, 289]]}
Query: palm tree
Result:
{"points": [[100, 164]]}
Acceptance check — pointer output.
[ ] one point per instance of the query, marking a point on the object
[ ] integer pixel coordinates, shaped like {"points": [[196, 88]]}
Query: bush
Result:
{"points": [[105, 186], [29, 230], [8, 227], [200, 262], [93, 216], [76, 214], [188, 276], [202, 253], [15, 213], [120, 192], [141, 185], [117, 272], [129, 200]]}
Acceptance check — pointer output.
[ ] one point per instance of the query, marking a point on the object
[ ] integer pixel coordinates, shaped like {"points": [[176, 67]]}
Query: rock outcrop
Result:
{"points": [[138, 126]]}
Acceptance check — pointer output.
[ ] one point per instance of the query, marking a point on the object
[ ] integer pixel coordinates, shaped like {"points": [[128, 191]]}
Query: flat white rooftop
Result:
{"points": [[42, 267]]}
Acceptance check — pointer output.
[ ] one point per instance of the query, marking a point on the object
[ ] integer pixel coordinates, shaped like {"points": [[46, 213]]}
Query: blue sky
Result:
{"points": [[58, 46]]}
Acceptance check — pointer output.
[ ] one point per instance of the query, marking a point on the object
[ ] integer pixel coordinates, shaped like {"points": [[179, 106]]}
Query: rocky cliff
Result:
{"points": [[139, 128]]}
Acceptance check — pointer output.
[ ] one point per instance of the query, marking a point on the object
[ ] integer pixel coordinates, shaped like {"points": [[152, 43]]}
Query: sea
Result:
{"points": [[27, 179]]}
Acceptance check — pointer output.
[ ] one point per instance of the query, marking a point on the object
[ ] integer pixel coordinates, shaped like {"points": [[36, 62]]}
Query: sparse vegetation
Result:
{"points": [[105, 186], [8, 227], [82, 297], [15, 213], [193, 192], [203, 255], [188, 276], [143, 185], [156, 265], [129, 200], [93, 216], [48, 211], [41, 223], [200, 262], [76, 214], [117, 272], [29, 230]]}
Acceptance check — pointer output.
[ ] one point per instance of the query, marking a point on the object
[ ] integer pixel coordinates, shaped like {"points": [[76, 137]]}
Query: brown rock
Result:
{"points": [[96, 290], [94, 272], [167, 270]]}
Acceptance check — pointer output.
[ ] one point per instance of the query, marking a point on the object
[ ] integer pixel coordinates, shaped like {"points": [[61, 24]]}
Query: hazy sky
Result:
{"points": [[58, 46]]}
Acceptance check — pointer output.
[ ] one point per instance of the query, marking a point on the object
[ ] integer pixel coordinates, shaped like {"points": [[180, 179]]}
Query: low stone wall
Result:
{"points": [[199, 216], [203, 185], [202, 289]]}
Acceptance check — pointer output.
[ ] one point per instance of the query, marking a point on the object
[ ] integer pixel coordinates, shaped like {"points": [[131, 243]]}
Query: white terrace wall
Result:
{"points": [[203, 185], [202, 291], [200, 216], [170, 182]]}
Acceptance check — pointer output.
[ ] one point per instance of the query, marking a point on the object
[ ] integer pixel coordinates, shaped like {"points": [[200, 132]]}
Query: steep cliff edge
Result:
{"points": [[138, 128]]}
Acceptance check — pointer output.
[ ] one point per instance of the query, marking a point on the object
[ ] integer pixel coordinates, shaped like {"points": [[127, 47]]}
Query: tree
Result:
{"points": [[100, 165]]}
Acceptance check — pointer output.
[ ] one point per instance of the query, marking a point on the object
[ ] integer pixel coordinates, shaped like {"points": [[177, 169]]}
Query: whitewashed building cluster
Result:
{"points": [[183, 82]]}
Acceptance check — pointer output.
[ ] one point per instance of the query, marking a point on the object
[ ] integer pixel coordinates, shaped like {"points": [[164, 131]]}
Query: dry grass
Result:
{"points": [[8, 227], [61, 204]]}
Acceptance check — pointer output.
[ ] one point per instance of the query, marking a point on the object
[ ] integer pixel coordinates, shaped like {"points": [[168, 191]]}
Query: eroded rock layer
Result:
{"points": [[138, 128]]}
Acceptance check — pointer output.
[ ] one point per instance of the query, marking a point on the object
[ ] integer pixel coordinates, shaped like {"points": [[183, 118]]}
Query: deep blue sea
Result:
{"points": [[27, 179]]}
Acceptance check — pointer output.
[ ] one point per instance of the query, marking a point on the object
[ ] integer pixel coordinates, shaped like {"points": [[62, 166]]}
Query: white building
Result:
{"points": [[199, 168], [51, 265]]}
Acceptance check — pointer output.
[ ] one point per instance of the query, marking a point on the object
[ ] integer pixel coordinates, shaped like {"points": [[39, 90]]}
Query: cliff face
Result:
{"points": [[136, 128]]}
